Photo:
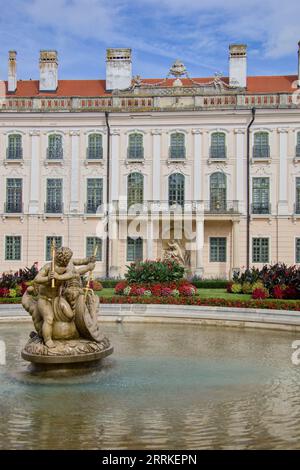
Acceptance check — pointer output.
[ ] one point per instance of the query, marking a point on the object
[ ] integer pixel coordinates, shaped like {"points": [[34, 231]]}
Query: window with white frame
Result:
{"points": [[217, 249], [134, 249], [218, 145], [13, 248], [95, 148], [176, 189], [54, 196], [297, 196], [298, 145], [57, 241], [135, 189], [55, 147], [260, 196], [177, 149], [297, 249], [94, 194], [260, 250], [135, 149], [218, 190], [14, 197], [91, 244], [261, 147], [14, 149]]}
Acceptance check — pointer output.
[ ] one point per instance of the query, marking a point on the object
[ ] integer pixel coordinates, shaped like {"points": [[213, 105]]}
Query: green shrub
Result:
{"points": [[210, 283], [236, 288], [154, 271], [247, 288]]}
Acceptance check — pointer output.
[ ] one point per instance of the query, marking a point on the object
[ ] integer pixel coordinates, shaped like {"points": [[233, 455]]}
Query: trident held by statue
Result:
{"points": [[53, 262]]}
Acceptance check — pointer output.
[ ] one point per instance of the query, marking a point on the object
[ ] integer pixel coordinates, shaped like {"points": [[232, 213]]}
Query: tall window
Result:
{"points": [[134, 249], [95, 149], [135, 189], [94, 195], [91, 243], [297, 250], [49, 241], [13, 248], [260, 196], [176, 189], [297, 202], [298, 145], [14, 150], [260, 250], [218, 249], [261, 148], [54, 199], [135, 146], [177, 145], [218, 145], [14, 203], [218, 192], [55, 147]]}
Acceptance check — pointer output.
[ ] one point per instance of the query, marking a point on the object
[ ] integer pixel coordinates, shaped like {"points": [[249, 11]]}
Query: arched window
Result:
{"points": [[218, 145], [177, 145], [14, 150], [135, 189], [55, 147], [217, 192], [95, 149], [135, 146], [261, 147], [176, 189], [298, 145]]}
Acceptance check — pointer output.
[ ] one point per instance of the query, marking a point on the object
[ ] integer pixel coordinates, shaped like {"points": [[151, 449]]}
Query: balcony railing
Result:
{"points": [[297, 151], [54, 208], [55, 153], [261, 151], [91, 208], [135, 153], [218, 152], [13, 207], [221, 207], [177, 152], [260, 209], [14, 153], [94, 153]]}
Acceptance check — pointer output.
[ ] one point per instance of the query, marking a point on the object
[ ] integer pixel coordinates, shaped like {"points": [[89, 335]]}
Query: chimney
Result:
{"points": [[118, 69], [238, 65], [299, 64], [48, 70], [12, 71]]}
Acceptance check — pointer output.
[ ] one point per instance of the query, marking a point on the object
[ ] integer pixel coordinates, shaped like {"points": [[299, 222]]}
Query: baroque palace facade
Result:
{"points": [[222, 153]]}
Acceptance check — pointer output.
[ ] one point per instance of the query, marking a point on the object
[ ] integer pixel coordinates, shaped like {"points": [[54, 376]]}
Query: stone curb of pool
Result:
{"points": [[205, 315]]}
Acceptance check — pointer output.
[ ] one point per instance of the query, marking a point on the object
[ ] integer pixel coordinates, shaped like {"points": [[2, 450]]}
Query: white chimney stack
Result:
{"points": [[118, 69], [12, 71], [299, 64], [238, 65], [48, 71]]}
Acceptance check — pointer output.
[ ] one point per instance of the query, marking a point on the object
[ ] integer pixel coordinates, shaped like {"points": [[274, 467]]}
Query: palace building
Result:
{"points": [[221, 154]]}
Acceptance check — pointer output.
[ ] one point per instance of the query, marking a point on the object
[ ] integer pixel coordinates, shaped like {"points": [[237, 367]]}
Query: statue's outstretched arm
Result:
{"points": [[86, 269], [81, 261]]}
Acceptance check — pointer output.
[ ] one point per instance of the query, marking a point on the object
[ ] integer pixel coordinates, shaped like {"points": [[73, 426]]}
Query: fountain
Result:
{"points": [[64, 313]]}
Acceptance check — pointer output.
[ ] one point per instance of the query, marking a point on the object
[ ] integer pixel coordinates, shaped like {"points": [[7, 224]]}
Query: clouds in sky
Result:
{"points": [[158, 31]]}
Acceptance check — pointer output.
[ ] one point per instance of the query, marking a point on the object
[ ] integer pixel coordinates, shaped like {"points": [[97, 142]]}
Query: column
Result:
{"points": [[240, 158], [74, 199], [197, 163], [114, 247], [34, 173], [114, 174], [156, 164], [199, 245], [235, 246], [282, 196]]}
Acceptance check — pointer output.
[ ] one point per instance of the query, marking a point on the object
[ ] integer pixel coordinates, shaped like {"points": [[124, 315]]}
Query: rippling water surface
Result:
{"points": [[165, 386]]}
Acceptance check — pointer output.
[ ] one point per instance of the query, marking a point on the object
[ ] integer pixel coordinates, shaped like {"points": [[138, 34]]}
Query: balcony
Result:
{"points": [[218, 152], [14, 153], [54, 208], [13, 207], [261, 152], [177, 152], [94, 153], [261, 209], [221, 207], [135, 153], [55, 153]]}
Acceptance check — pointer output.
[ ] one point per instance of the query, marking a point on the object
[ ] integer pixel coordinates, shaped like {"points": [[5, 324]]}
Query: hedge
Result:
{"points": [[210, 283]]}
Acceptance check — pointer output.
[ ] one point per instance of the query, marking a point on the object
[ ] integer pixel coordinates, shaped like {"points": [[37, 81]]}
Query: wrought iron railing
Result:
{"points": [[221, 207], [261, 209], [54, 208], [55, 153]]}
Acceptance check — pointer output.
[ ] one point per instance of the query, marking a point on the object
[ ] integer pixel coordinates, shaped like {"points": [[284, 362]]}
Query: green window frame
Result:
{"points": [[260, 250], [176, 189], [55, 147], [135, 146], [261, 195], [218, 249], [91, 243], [14, 195], [49, 240], [14, 149], [95, 147], [218, 191], [134, 249], [218, 145], [135, 189], [13, 247], [177, 149], [94, 195], [261, 147]]}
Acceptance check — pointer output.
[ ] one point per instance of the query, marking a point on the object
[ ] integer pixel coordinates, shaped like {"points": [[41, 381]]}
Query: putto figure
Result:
{"points": [[64, 312]]}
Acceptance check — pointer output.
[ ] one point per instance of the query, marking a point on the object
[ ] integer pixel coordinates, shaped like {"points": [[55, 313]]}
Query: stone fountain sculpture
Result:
{"points": [[64, 313]]}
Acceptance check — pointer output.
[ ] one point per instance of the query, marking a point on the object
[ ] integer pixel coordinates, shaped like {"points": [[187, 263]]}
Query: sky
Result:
{"points": [[197, 32]]}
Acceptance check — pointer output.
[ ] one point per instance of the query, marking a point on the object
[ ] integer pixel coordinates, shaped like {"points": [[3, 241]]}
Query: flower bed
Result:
{"points": [[166, 289]]}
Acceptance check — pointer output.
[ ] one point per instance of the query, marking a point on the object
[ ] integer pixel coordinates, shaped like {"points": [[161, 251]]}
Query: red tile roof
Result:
{"points": [[94, 88]]}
